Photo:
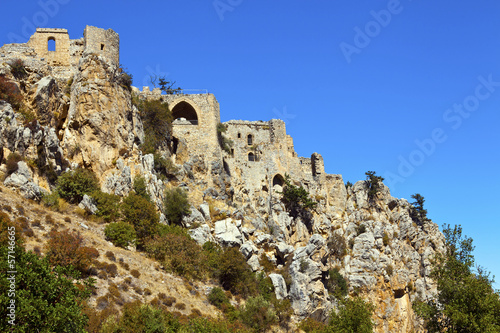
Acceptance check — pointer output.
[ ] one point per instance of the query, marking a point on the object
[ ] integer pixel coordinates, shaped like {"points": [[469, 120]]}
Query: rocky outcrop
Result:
{"points": [[102, 123]]}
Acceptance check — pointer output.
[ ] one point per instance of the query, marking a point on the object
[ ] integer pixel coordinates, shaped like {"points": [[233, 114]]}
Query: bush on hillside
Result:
{"points": [[176, 205], [121, 234], [141, 213], [73, 185]]}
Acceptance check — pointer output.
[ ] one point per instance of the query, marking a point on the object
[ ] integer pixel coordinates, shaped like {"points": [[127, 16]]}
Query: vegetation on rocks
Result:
{"points": [[176, 205], [73, 185], [374, 184], [466, 300]]}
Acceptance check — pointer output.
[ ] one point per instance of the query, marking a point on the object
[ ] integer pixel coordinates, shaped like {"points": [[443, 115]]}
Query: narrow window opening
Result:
{"points": [[51, 44], [250, 139], [239, 135], [102, 47]]}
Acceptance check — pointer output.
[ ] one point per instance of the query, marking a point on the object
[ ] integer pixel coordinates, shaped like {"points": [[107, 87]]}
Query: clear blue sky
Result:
{"points": [[409, 89]]}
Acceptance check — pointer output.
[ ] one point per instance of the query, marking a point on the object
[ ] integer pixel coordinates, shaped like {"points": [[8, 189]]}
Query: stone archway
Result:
{"points": [[185, 110]]}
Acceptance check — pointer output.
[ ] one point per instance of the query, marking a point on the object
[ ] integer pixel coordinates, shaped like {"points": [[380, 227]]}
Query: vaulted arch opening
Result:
{"points": [[51, 44], [278, 180], [251, 157], [185, 110]]}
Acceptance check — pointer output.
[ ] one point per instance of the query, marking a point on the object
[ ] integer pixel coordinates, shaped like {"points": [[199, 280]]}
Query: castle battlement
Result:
{"points": [[54, 46]]}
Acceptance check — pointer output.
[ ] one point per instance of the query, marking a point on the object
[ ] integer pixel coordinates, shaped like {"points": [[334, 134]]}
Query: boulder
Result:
{"points": [[195, 217], [201, 234], [279, 285], [227, 234], [88, 204]]}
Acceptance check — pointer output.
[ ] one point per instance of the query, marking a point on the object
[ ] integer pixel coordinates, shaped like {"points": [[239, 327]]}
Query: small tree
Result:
{"points": [[354, 315], [176, 205], [165, 85], [140, 187], [120, 233], [46, 299], [417, 211], [66, 248], [296, 198], [141, 213], [465, 301], [73, 185], [374, 184]]}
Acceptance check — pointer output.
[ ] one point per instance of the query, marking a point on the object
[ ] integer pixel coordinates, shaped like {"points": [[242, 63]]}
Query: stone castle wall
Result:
{"points": [[102, 42], [68, 52], [260, 150], [40, 40]]}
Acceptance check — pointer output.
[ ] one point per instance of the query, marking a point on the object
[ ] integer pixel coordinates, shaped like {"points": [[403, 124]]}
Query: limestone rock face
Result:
{"points": [[101, 119], [227, 233], [22, 179]]}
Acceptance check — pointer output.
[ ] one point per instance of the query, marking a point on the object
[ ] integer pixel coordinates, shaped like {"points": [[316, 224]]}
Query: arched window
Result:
{"points": [[278, 180], [185, 110], [51, 44], [250, 139], [251, 157]]}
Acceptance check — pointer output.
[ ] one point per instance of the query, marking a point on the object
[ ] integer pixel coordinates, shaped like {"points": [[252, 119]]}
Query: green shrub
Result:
{"points": [[167, 229], [337, 246], [141, 213], [235, 274], [140, 187], [10, 93], [258, 314], [46, 299], [212, 252], [73, 185], [374, 184], [120, 233], [310, 325], [303, 265], [17, 68], [360, 229], [51, 200], [354, 315], [12, 161], [176, 205], [217, 297], [138, 317], [108, 205], [296, 198], [164, 166], [336, 284], [385, 239], [157, 121], [178, 254], [124, 79]]}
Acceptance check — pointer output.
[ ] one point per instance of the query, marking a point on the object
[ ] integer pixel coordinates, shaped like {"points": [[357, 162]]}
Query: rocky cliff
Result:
{"points": [[85, 117]]}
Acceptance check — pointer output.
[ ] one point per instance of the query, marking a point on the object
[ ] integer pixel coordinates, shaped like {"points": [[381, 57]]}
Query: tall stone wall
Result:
{"points": [[200, 134], [261, 151], [40, 41], [102, 42]]}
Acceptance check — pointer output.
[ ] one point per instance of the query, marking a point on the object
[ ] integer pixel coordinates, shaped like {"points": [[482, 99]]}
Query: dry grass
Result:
{"points": [[149, 279]]}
